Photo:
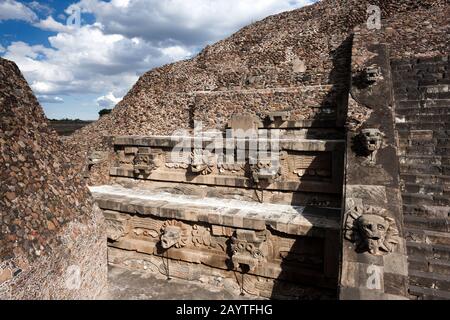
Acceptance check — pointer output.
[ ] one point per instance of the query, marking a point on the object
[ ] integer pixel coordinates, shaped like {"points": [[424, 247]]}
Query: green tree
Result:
{"points": [[103, 112]]}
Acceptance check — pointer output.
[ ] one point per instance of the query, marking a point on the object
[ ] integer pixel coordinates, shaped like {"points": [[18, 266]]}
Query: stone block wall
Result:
{"points": [[422, 110]]}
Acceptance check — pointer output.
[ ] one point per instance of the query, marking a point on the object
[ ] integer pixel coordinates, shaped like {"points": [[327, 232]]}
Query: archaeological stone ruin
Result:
{"points": [[304, 157]]}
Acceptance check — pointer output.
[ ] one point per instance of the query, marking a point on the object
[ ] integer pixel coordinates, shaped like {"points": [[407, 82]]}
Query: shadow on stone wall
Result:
{"points": [[319, 278]]}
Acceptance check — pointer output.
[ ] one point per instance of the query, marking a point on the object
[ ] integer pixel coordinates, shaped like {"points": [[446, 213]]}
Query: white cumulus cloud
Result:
{"points": [[49, 99], [51, 24], [193, 22], [13, 10], [128, 37], [108, 101]]}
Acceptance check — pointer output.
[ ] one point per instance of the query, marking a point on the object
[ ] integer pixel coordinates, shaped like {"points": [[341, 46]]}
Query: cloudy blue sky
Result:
{"points": [[78, 66]]}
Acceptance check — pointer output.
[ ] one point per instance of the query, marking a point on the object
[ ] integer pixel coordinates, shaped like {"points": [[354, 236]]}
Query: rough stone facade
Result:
{"points": [[331, 88], [52, 241], [321, 75]]}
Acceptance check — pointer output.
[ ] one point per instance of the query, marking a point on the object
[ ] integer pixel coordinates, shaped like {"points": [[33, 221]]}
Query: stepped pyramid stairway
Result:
{"points": [[272, 233], [423, 127]]}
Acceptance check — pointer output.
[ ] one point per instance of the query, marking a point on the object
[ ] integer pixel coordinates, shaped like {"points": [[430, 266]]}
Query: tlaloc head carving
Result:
{"points": [[265, 170], [248, 249], [371, 230]]}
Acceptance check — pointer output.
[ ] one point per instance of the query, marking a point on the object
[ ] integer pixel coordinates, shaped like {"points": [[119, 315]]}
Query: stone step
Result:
{"points": [[429, 294], [421, 250], [427, 236], [427, 223], [429, 280], [420, 159], [425, 178], [425, 199], [402, 125], [426, 149], [425, 169], [422, 264], [423, 92], [422, 104], [295, 220], [423, 135], [421, 111], [437, 60], [423, 188], [423, 118], [426, 211]]}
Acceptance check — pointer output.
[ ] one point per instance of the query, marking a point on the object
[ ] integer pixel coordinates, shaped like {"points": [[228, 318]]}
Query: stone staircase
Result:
{"points": [[422, 110]]}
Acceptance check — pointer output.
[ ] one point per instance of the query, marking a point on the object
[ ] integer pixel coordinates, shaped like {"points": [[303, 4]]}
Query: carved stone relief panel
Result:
{"points": [[117, 225], [311, 165]]}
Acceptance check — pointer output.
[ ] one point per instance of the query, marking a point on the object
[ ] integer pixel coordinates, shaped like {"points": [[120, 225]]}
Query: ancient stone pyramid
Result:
{"points": [[313, 41], [49, 224]]}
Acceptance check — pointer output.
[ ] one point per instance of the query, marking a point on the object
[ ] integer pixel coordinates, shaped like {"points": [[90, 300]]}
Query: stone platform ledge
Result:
{"points": [[296, 89], [294, 220], [292, 143]]}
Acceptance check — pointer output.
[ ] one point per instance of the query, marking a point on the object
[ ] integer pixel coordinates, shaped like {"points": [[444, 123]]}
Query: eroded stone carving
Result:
{"points": [[245, 122], [265, 170], [201, 236], [115, 229], [145, 161], [202, 161], [249, 248], [367, 143], [96, 157], [371, 230], [174, 234]]}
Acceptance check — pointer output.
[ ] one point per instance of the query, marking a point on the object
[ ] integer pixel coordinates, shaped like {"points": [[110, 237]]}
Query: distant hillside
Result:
{"points": [[66, 127]]}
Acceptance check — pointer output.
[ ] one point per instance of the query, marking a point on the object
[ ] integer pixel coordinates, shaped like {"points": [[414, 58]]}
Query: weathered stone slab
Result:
{"points": [[233, 213]]}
